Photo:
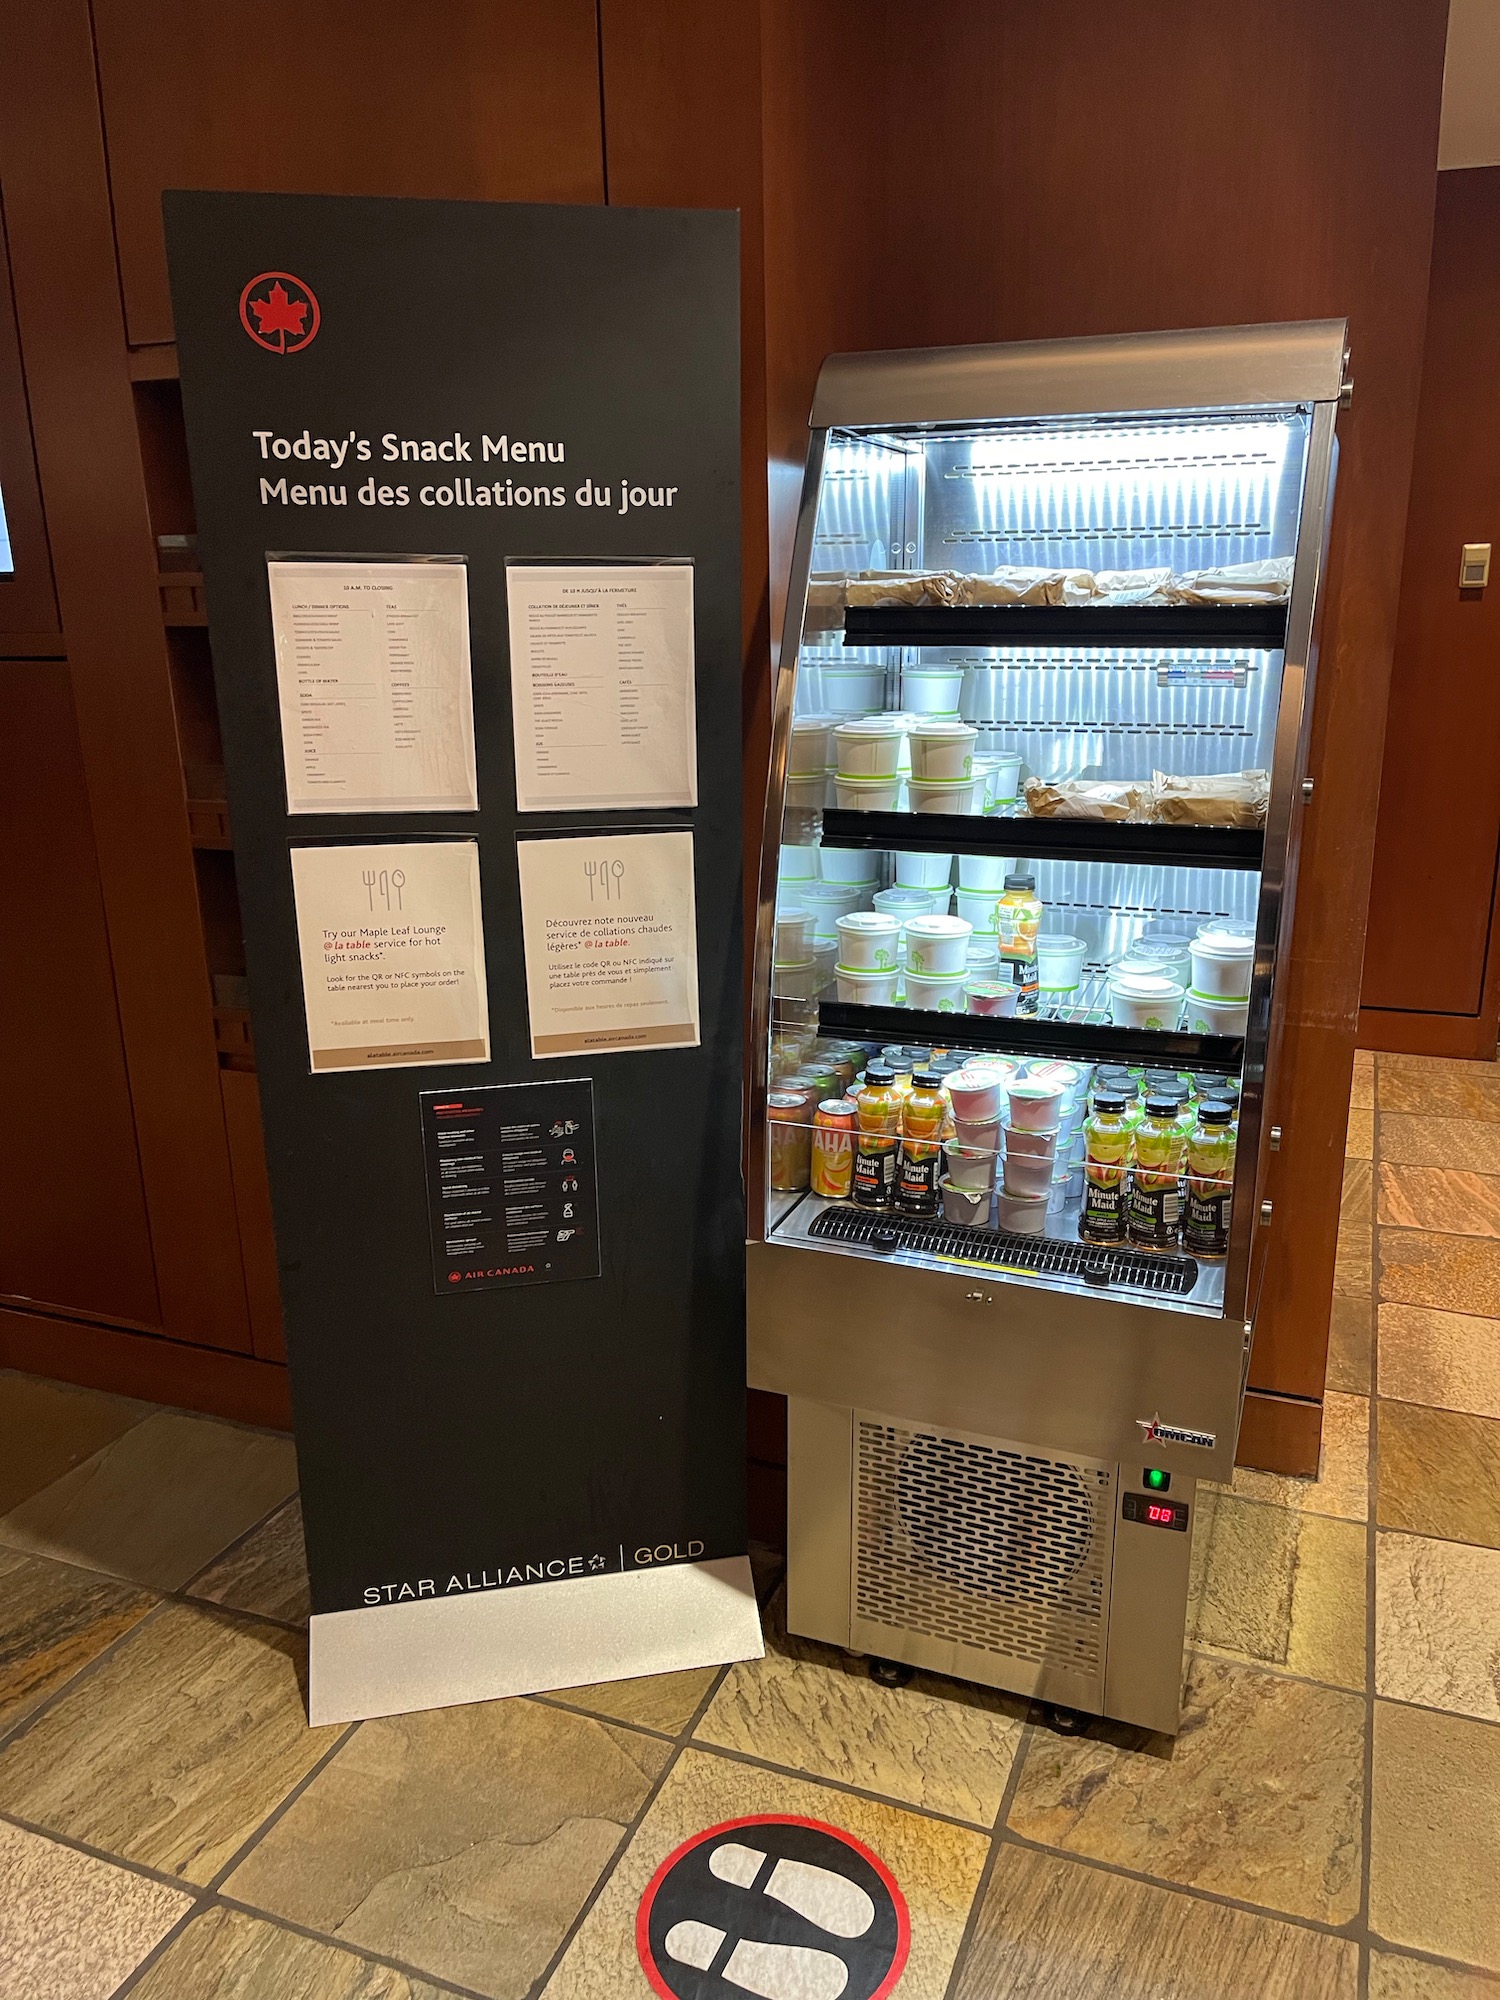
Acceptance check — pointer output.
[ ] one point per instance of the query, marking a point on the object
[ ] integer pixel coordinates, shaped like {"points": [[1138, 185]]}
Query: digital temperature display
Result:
{"points": [[1154, 1513]]}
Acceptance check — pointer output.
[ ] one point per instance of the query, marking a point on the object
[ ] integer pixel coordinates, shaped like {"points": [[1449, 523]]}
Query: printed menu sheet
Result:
{"points": [[372, 669], [602, 686], [392, 947], [511, 1198], [610, 932]]}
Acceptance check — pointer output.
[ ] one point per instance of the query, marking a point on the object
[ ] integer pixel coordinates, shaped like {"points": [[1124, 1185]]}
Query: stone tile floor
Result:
{"points": [[1326, 1826]]}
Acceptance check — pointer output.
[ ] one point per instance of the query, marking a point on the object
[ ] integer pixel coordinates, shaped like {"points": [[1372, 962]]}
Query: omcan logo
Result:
{"points": [[279, 312]]}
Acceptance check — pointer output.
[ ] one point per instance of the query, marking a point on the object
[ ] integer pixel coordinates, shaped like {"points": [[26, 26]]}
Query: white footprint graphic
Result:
{"points": [[786, 1971], [830, 1901], [693, 1943], [733, 1863]]}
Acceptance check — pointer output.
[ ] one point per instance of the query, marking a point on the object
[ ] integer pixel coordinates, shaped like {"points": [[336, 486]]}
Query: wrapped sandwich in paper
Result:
{"points": [[876, 588], [825, 605], [1030, 586], [1264, 582], [1237, 798], [1087, 798], [1133, 586]]}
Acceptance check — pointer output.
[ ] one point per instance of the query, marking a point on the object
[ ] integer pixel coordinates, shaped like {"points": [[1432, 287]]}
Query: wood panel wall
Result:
{"points": [[985, 173], [1432, 961]]}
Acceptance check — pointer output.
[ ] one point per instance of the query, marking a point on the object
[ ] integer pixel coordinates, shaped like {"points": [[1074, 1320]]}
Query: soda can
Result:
{"points": [[833, 1149]]}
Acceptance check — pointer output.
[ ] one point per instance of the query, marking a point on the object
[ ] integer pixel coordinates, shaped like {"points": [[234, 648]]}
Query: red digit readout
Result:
{"points": [[1154, 1513]]}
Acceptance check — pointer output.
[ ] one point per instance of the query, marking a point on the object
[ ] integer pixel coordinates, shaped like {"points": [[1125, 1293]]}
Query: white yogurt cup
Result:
{"points": [[796, 982], [982, 958], [1035, 1103], [1173, 957], [799, 863], [864, 988], [867, 794], [997, 997], [868, 941], [849, 864], [984, 873], [923, 871], [977, 908], [806, 794], [931, 690], [1005, 774], [942, 749], [1208, 1015], [971, 1167], [903, 902], [1059, 962], [968, 1207], [937, 945], [807, 746], [853, 690], [868, 749], [1027, 1175], [940, 995], [1144, 1000], [1031, 1145], [975, 1091], [1223, 961], [946, 795], [978, 1138], [1021, 1214], [794, 940], [826, 902]]}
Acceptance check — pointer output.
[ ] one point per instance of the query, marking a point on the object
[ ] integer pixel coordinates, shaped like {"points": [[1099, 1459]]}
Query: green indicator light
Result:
{"points": [[1156, 1479]]}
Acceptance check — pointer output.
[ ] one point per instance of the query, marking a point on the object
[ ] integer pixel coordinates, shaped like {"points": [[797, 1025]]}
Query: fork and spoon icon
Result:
{"points": [[607, 875]]}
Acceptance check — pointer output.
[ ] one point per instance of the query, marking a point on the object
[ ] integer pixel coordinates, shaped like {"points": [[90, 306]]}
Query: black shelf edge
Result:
{"points": [[1031, 1036], [1048, 839], [1259, 625]]}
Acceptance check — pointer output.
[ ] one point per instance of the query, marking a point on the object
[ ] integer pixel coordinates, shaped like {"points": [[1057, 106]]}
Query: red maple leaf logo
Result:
{"points": [[285, 312], [280, 313]]}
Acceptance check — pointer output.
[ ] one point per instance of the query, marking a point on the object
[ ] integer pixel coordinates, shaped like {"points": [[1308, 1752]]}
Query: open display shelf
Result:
{"points": [[1259, 625], [1047, 839], [1033, 1035]]}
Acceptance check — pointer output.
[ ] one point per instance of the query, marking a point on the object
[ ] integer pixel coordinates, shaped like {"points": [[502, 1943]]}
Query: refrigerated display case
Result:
{"points": [[1050, 640]]}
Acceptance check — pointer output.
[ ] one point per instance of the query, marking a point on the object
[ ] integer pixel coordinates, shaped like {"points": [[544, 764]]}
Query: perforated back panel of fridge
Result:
{"points": [[982, 1545]]}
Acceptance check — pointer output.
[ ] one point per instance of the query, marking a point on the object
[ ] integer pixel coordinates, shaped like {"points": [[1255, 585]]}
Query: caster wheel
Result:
{"points": [[890, 1673], [1066, 1721]]}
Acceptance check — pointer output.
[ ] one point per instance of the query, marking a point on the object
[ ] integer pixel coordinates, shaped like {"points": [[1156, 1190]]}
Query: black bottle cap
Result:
{"points": [[1110, 1101], [1216, 1111], [1020, 881], [878, 1073], [1160, 1106], [927, 1079]]}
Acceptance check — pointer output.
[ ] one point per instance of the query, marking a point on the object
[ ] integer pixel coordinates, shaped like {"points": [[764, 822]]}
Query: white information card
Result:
{"points": [[610, 932], [392, 947], [602, 688], [372, 667]]}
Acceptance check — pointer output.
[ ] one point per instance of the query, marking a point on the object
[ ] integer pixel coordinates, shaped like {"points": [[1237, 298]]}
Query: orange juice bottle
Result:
{"points": [[1018, 919], [877, 1111], [919, 1166]]}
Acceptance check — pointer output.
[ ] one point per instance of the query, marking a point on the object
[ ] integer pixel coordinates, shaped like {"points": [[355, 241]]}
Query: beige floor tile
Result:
{"points": [[1439, 1473], [1349, 1344], [1280, 1589], [54, 1619], [175, 1748], [1394, 1977], [267, 1572], [1362, 1084], [1437, 1624], [1445, 1198], [159, 1502], [462, 1841], [936, 1865], [46, 1428], [1051, 1929], [1420, 1267], [73, 1927], [1353, 1264], [1435, 1834], [667, 1702], [1359, 1135], [1343, 1482], [1472, 1144], [1260, 1797], [1449, 1360], [1439, 1087], [227, 1955], [935, 1743]]}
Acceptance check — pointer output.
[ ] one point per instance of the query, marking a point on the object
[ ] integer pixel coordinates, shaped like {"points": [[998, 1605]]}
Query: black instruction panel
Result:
{"points": [[510, 1184]]}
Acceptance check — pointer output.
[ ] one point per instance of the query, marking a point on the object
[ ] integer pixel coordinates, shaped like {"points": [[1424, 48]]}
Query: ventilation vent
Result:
{"points": [[1145, 1270], [968, 1541]]}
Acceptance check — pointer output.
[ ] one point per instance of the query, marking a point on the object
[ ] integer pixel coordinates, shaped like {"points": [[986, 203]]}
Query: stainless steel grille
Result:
{"points": [[981, 1543]]}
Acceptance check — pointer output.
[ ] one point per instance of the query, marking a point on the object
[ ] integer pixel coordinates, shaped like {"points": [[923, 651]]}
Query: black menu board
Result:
{"points": [[510, 1184]]}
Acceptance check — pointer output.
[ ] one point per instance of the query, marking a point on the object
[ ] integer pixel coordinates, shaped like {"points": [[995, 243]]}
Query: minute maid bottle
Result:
{"points": [[1210, 1180], [1018, 919], [1155, 1204]]}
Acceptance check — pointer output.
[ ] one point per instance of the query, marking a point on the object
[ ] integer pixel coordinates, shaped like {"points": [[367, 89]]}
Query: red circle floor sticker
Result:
{"points": [[784, 1909], [279, 312]]}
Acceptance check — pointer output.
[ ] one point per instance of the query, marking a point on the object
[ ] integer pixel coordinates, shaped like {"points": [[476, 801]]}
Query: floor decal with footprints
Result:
{"points": [[778, 1908]]}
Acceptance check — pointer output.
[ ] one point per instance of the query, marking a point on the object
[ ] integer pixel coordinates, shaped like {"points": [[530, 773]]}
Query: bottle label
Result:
{"points": [[917, 1180], [1103, 1217], [1153, 1214], [1022, 972], [875, 1173], [1205, 1225]]}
